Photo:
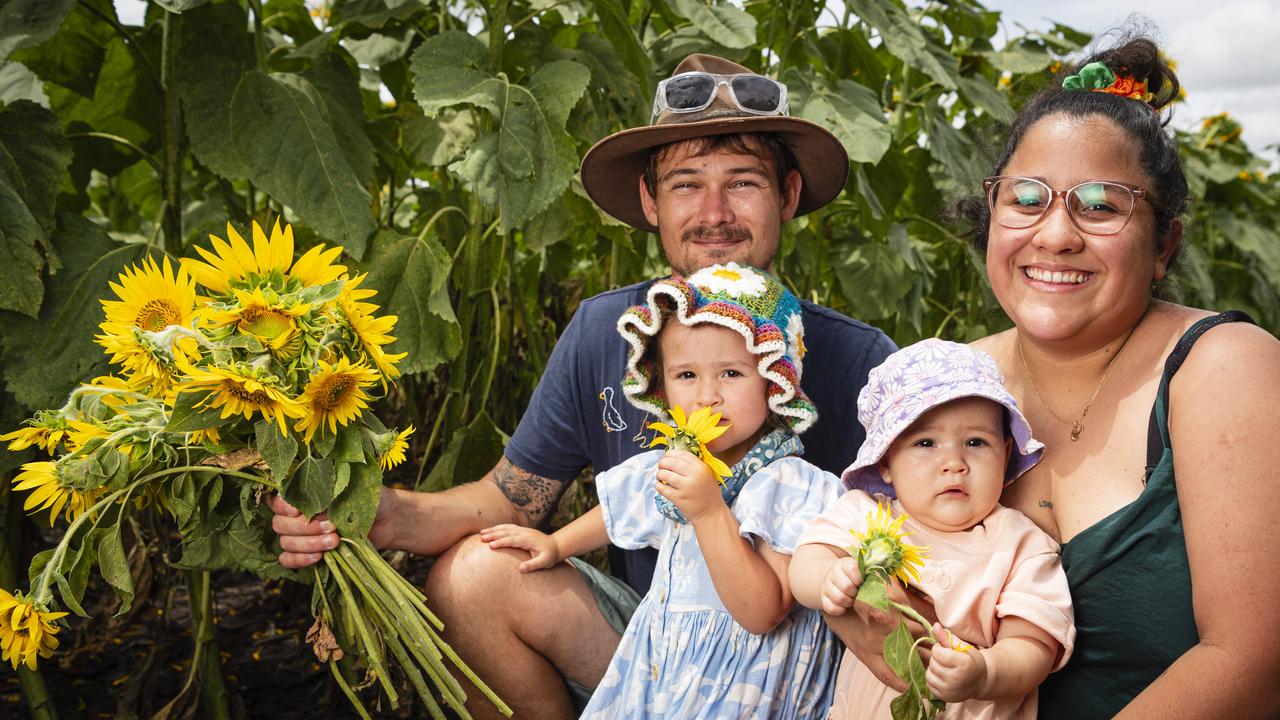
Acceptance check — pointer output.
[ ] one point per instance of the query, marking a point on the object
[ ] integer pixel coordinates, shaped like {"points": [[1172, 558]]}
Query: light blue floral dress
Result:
{"points": [[683, 655]]}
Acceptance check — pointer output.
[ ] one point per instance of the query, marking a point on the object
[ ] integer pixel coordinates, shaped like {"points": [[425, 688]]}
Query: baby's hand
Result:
{"points": [[839, 587], [955, 675], [689, 483], [542, 548]]}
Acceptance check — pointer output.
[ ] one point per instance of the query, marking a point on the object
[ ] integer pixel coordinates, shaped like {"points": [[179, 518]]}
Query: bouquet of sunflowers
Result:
{"points": [[245, 373]]}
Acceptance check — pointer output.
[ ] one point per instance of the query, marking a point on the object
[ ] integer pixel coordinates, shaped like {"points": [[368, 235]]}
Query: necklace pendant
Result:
{"points": [[1076, 430]]}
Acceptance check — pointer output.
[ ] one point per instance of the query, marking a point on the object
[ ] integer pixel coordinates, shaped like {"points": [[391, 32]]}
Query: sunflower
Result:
{"points": [[239, 389], [883, 548], [334, 395], [265, 316], [693, 434], [394, 454], [50, 492], [26, 630], [46, 430], [151, 298], [234, 262], [370, 331]]}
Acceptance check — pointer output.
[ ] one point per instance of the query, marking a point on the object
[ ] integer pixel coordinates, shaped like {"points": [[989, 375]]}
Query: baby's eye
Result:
{"points": [[923, 442], [733, 373], [975, 442], [685, 375]]}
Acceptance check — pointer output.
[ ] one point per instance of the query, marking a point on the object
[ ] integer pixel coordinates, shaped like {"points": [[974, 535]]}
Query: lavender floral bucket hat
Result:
{"points": [[748, 301], [918, 378]]}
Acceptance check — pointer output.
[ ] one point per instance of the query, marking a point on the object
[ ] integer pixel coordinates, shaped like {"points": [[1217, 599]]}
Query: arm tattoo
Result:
{"points": [[533, 496]]}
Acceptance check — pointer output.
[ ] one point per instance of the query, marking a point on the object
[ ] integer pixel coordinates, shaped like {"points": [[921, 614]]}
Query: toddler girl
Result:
{"points": [[718, 635], [944, 433]]}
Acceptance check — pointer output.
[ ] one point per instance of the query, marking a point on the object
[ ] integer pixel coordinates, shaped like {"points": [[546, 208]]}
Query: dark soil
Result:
{"points": [[131, 667]]}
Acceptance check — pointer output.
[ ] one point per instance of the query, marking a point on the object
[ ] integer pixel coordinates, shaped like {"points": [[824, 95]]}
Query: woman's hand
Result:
{"points": [[839, 588], [955, 675], [543, 550], [689, 484]]}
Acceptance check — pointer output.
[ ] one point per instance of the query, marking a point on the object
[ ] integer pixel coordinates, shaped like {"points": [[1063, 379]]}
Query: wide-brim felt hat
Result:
{"points": [[612, 168], [919, 378]]}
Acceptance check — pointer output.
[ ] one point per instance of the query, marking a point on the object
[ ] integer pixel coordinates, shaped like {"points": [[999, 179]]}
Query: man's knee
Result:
{"points": [[471, 570]]}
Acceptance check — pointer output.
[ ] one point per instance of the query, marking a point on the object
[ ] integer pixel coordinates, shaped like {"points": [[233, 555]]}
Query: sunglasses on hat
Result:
{"points": [[693, 91]]}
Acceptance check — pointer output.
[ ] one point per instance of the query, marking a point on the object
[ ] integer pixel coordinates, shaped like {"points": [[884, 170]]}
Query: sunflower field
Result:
{"points": [[311, 227]]}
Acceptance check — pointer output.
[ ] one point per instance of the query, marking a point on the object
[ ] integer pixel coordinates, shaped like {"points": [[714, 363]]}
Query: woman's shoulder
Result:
{"points": [[1227, 354]]}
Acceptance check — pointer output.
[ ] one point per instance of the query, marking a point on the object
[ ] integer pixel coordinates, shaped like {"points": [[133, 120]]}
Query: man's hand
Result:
{"points": [[863, 631], [688, 483], [303, 542], [839, 589], [955, 675], [543, 550]]}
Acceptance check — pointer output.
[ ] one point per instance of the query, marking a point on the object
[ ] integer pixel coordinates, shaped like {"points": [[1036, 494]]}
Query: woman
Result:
{"points": [[1176, 584]]}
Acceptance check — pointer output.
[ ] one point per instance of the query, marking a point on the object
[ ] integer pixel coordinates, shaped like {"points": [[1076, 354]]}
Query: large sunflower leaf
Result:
{"points": [[725, 24], [44, 358], [215, 52], [19, 83], [179, 6], [616, 28], [34, 159], [528, 159], [411, 276], [853, 113], [295, 152], [903, 37], [29, 22]]}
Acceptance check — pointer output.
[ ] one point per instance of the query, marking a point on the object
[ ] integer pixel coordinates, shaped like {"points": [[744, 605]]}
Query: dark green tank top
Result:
{"points": [[1130, 581]]}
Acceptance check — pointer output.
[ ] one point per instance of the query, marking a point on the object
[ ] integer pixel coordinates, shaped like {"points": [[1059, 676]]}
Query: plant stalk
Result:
{"points": [[173, 139], [213, 689]]}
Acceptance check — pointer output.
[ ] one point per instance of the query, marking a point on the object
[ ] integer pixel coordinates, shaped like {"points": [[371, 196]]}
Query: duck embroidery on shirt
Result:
{"points": [[612, 420]]}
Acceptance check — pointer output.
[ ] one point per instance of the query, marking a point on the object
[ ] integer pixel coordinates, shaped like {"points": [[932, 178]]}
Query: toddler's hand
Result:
{"points": [[542, 548], [688, 483], [839, 587], [955, 675]]}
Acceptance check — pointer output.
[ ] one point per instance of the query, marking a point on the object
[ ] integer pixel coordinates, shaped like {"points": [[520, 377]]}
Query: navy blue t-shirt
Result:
{"points": [[578, 415]]}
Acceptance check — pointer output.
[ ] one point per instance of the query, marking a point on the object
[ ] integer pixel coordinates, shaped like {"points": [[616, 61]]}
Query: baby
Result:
{"points": [[946, 437]]}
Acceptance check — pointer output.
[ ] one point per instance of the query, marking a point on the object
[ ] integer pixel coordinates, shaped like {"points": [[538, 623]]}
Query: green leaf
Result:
{"points": [[411, 275], [355, 507], [302, 157], [277, 450], [529, 159], [903, 37], [311, 487], [348, 448], [617, 29], [854, 114], [34, 156], [215, 51], [114, 567], [179, 6], [43, 359], [470, 454], [956, 153], [1021, 58], [19, 83], [379, 49], [186, 417], [981, 93], [439, 140], [180, 498], [339, 85], [874, 279], [725, 24], [873, 592], [899, 646], [375, 13], [30, 22]]}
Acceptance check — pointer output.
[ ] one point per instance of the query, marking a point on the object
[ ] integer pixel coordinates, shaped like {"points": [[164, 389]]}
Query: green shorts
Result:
{"points": [[617, 602]]}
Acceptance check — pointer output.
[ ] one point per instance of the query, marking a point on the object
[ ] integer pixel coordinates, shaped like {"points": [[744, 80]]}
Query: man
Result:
{"points": [[715, 174]]}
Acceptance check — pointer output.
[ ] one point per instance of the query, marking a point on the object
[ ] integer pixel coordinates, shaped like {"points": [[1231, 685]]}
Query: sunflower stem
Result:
{"points": [[911, 613], [213, 690], [39, 705], [173, 138]]}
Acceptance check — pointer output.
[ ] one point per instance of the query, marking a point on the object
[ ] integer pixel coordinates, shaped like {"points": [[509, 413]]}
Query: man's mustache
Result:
{"points": [[731, 233]]}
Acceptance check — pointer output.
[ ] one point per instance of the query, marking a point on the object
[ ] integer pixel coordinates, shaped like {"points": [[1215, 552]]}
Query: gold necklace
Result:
{"points": [[1077, 425]]}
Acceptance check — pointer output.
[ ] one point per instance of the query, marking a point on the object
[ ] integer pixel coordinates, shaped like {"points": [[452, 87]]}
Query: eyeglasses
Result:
{"points": [[694, 91], [1098, 207]]}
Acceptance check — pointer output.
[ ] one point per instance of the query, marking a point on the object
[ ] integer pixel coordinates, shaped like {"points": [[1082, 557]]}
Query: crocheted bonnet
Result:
{"points": [[748, 301]]}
